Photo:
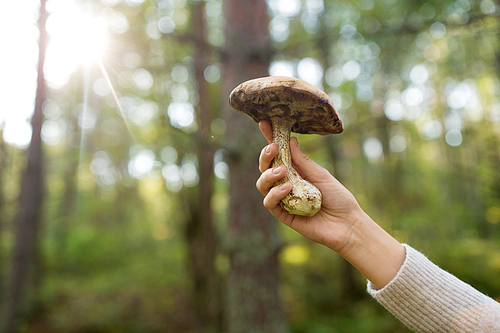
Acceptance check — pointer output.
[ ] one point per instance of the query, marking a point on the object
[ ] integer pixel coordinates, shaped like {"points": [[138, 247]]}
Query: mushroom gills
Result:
{"points": [[304, 198]]}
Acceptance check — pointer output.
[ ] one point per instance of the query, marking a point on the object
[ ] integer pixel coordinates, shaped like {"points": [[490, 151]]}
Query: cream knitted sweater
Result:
{"points": [[428, 299]]}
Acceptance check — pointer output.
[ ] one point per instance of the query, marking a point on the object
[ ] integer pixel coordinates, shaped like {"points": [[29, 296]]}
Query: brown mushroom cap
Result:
{"points": [[290, 98]]}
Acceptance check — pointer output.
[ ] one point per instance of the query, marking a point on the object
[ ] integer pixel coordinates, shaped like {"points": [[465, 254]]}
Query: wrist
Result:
{"points": [[373, 251]]}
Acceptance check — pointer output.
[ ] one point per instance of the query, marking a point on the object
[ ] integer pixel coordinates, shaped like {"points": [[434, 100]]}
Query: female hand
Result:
{"points": [[341, 224], [339, 212]]}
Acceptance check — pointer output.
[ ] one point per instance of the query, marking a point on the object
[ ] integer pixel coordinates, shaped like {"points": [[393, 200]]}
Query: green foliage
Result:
{"points": [[417, 86]]}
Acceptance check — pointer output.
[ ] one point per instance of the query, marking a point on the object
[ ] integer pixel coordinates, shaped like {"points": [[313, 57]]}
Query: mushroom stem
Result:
{"points": [[304, 198]]}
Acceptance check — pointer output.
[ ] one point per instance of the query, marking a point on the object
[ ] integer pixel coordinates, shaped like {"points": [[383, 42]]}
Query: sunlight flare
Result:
{"points": [[77, 37], [115, 97]]}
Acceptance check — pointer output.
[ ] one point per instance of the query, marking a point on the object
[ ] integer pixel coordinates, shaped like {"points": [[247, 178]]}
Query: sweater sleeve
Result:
{"points": [[428, 299]]}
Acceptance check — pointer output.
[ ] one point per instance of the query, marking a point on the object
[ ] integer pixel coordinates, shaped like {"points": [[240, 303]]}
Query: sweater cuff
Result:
{"points": [[429, 299]]}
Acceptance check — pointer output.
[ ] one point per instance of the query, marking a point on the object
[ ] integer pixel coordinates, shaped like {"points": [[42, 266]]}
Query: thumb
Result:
{"points": [[303, 163]]}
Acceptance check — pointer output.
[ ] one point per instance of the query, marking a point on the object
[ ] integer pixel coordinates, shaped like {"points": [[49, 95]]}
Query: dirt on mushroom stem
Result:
{"points": [[304, 198]]}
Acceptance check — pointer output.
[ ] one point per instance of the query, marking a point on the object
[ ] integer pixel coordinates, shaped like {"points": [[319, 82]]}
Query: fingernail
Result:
{"points": [[283, 187], [277, 170], [296, 142], [268, 149]]}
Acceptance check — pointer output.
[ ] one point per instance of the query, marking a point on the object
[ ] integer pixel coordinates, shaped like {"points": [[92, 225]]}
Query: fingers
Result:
{"points": [[266, 156], [269, 177], [267, 130], [273, 198], [273, 195]]}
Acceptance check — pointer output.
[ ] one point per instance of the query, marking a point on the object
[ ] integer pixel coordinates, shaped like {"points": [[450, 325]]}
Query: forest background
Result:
{"points": [[127, 196]]}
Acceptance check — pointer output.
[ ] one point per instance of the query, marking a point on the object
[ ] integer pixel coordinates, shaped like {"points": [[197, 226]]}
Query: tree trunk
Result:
{"points": [[200, 233], [22, 275], [253, 301], [3, 164]]}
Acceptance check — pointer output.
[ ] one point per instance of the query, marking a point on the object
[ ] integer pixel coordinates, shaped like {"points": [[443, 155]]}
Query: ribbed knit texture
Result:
{"points": [[428, 299]]}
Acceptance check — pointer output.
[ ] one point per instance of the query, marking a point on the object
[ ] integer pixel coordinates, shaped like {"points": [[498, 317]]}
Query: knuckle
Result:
{"points": [[266, 203], [258, 183], [261, 185]]}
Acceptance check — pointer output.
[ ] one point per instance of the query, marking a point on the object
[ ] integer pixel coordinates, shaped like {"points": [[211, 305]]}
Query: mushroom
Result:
{"points": [[291, 105]]}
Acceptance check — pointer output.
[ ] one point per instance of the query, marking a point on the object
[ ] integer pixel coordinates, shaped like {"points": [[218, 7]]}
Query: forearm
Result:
{"points": [[428, 299], [422, 295], [373, 252]]}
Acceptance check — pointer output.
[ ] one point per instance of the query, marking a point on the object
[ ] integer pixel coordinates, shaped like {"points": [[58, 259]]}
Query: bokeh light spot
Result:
{"points": [[351, 69], [454, 137], [372, 147]]}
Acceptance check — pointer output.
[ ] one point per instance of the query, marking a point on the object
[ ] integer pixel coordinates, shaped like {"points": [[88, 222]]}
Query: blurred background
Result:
{"points": [[127, 184]]}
